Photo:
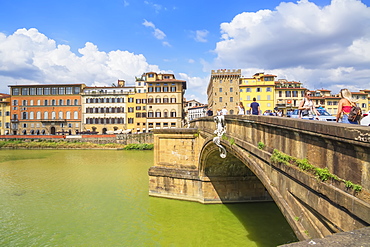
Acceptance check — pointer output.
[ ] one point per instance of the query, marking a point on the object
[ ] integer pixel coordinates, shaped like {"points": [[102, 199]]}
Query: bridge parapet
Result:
{"points": [[343, 149]]}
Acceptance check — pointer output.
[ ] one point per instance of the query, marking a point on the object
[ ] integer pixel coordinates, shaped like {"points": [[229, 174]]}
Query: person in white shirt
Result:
{"points": [[224, 111]]}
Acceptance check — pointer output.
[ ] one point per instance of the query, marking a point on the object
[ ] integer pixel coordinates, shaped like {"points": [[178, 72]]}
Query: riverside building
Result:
{"points": [[4, 114], [165, 100], [105, 108], [261, 87], [46, 109], [223, 89]]}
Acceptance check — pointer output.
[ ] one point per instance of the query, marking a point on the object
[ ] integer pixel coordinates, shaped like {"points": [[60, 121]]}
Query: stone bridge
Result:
{"points": [[317, 173]]}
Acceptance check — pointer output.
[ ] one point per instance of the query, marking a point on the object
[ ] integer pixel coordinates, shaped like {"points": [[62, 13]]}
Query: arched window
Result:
{"points": [[173, 99], [76, 102], [150, 114], [60, 102], [53, 115], [53, 102], [68, 102], [46, 115], [24, 115], [38, 115], [150, 100], [165, 100], [158, 113], [158, 99], [75, 115], [32, 115], [173, 113], [60, 115], [165, 113], [68, 115]]}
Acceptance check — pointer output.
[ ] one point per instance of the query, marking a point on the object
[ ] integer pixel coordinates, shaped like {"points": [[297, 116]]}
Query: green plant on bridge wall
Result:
{"points": [[321, 173], [261, 145], [231, 140]]}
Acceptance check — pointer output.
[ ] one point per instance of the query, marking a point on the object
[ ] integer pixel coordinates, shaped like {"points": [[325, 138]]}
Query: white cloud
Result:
{"points": [[29, 57], [158, 34], [157, 7], [197, 84], [201, 35], [321, 46]]}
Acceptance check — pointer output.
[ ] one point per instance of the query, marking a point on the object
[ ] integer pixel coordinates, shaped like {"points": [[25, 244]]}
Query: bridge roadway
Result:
{"points": [[188, 166]]}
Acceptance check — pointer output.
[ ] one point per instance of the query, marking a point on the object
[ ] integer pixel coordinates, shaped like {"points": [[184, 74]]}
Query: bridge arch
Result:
{"points": [[230, 179]]}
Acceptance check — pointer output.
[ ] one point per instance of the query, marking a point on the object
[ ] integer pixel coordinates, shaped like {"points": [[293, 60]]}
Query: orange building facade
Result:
{"points": [[46, 109]]}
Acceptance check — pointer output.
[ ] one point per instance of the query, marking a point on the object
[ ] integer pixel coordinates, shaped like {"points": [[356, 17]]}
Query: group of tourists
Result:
{"points": [[306, 108]]}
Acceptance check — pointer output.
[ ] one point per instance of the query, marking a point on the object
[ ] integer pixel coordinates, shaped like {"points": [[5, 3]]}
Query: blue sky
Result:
{"points": [[324, 44]]}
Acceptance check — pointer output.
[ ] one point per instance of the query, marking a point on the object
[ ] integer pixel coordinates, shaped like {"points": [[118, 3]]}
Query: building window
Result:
{"points": [[258, 97], [61, 90], [287, 93], [220, 89], [220, 99], [248, 90], [258, 89], [68, 102], [68, 115], [157, 114], [31, 115], [173, 113], [76, 90], [157, 100], [60, 115], [54, 91], [32, 91], [231, 99], [68, 90], [15, 102], [15, 91], [38, 115], [231, 90], [173, 89], [268, 97], [268, 89], [24, 91], [47, 91]]}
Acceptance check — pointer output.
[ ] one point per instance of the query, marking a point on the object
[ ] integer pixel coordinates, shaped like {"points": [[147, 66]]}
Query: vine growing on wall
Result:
{"points": [[321, 173]]}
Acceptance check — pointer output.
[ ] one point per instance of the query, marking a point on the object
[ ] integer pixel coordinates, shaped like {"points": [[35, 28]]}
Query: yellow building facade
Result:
{"points": [[261, 87], [4, 114]]}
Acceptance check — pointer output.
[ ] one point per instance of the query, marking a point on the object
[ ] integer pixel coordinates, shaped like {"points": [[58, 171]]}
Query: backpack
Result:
{"points": [[355, 113]]}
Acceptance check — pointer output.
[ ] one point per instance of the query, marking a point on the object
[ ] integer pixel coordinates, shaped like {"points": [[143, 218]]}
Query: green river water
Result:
{"points": [[100, 198]]}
